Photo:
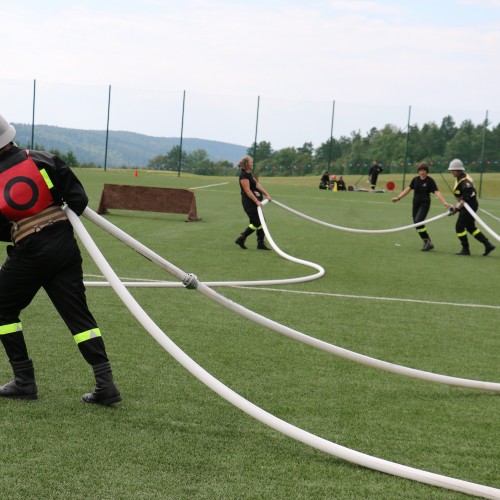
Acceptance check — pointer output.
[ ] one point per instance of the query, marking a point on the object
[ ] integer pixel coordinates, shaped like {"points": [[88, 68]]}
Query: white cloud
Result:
{"points": [[374, 53]]}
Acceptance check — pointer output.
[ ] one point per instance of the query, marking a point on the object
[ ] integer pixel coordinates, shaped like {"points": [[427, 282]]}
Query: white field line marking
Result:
{"points": [[368, 297], [328, 294], [210, 185], [491, 215], [121, 279]]}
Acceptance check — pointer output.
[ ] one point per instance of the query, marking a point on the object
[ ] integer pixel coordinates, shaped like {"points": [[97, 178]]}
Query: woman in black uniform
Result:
{"points": [[423, 186], [251, 197]]}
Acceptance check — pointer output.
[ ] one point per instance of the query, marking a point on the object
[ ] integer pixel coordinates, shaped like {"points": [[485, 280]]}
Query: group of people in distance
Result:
{"points": [[252, 195], [465, 192], [332, 183]]}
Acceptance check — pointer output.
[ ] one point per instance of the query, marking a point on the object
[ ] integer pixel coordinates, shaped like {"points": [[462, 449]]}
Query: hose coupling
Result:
{"points": [[190, 281]]}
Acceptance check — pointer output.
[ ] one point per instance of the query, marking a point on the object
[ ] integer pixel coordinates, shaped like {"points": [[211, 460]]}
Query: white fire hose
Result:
{"points": [[248, 407], [203, 288]]}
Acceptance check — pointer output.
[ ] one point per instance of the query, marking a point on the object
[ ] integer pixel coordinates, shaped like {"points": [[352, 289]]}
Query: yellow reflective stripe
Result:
{"points": [[422, 230], [477, 231], [462, 234], [12, 328], [89, 334], [46, 178], [251, 226]]}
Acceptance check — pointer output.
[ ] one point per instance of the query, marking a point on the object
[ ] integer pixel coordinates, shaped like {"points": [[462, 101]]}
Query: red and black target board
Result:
{"points": [[23, 191]]}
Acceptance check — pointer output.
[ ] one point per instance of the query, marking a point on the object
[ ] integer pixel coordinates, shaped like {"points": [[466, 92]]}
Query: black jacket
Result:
{"points": [[66, 186], [464, 190]]}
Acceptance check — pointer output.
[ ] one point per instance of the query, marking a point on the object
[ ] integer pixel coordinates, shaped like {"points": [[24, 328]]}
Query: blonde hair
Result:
{"points": [[245, 162]]}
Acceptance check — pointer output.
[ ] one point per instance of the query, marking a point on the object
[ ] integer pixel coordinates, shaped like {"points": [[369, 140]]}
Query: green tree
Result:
{"points": [[448, 129], [492, 148], [432, 140], [328, 152], [71, 159], [387, 146], [198, 162], [466, 143], [262, 152], [285, 159], [304, 160], [417, 150], [307, 149], [172, 159], [358, 158], [158, 163], [223, 167]]}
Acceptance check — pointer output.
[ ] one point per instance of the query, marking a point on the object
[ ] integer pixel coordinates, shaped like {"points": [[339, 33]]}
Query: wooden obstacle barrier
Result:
{"points": [[148, 199]]}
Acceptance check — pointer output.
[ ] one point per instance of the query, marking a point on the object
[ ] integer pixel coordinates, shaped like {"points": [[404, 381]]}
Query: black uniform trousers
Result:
{"points": [[419, 213], [465, 220], [50, 259], [373, 180], [253, 216]]}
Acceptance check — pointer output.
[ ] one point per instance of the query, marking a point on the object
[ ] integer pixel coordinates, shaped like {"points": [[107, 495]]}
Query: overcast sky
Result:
{"points": [[295, 58]]}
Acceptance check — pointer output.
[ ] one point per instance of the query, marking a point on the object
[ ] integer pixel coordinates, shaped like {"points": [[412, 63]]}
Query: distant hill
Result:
{"points": [[124, 148]]}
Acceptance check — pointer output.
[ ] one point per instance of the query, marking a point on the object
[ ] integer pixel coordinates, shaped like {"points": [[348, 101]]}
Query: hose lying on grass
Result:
{"points": [[362, 231], [272, 325], [258, 413]]}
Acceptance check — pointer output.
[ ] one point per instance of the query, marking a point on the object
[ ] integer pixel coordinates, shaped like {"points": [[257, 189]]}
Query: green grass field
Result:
{"points": [[172, 438]]}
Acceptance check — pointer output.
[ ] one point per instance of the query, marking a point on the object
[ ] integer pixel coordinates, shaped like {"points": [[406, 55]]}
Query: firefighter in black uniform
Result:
{"points": [[341, 184], [373, 174], [324, 182], [33, 186], [423, 185], [465, 192], [251, 197]]}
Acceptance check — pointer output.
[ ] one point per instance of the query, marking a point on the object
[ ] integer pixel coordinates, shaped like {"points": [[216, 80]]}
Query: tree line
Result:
{"points": [[478, 146], [397, 150], [196, 162], [68, 157]]}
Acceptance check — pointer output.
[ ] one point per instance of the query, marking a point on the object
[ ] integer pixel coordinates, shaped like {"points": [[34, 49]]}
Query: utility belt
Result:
{"points": [[36, 223]]}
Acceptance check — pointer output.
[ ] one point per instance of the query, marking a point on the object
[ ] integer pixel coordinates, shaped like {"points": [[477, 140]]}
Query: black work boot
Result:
{"points": [[240, 240], [105, 392], [261, 245], [488, 248], [464, 251], [427, 245], [23, 385]]}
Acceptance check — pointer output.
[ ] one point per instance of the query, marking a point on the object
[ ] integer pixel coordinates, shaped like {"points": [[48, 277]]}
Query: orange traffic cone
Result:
{"points": [[136, 173]]}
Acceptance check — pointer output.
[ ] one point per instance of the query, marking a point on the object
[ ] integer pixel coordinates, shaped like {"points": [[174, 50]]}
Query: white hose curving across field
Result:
{"points": [[258, 413], [204, 288]]}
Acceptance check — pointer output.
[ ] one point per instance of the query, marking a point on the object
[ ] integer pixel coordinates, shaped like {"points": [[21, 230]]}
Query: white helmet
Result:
{"points": [[7, 132], [456, 164]]}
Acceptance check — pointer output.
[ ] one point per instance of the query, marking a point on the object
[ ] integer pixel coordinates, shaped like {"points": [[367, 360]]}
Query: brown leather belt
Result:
{"points": [[36, 223]]}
